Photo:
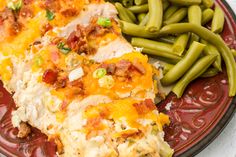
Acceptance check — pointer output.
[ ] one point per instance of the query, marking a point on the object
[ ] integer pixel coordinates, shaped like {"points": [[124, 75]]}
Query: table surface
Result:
{"points": [[225, 144]]}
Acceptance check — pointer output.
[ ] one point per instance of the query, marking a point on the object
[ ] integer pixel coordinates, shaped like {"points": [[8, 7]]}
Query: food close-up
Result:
{"points": [[115, 78]]}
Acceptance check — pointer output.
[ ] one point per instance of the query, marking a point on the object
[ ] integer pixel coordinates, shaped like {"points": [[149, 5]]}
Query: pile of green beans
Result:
{"points": [[175, 32]]}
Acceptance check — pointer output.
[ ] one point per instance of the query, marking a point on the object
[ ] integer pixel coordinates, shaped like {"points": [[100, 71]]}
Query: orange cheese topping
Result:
{"points": [[144, 81], [126, 110], [6, 69]]}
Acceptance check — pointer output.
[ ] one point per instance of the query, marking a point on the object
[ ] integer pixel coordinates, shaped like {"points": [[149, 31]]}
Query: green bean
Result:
{"points": [[136, 30], [203, 7], [150, 44], [193, 37], [180, 44], [210, 72], [141, 16], [197, 70], [131, 15], [207, 15], [166, 66], [140, 2], [208, 3], [168, 39], [186, 2], [233, 52], [127, 3], [139, 8], [212, 50], [195, 14], [123, 13], [166, 4], [145, 20], [170, 11], [212, 38], [194, 17], [155, 15], [218, 20], [177, 16], [182, 66], [169, 57]]}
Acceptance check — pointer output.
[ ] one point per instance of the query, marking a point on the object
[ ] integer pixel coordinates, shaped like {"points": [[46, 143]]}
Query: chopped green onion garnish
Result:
{"points": [[38, 61], [62, 48], [99, 73], [103, 21], [50, 15], [15, 4], [106, 82]]}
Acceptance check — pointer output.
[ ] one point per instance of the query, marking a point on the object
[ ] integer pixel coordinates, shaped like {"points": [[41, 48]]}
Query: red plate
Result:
{"points": [[197, 118]]}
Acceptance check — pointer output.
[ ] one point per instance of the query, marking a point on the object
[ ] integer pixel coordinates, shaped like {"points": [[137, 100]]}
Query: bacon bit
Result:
{"points": [[37, 43], [105, 112], [55, 56], [50, 76], [52, 5], [110, 68], [24, 130], [9, 21], [149, 103], [77, 41], [76, 83], [45, 28], [49, 127], [1, 20], [131, 134], [94, 30], [145, 106], [122, 68], [69, 12], [26, 12], [26, 2], [60, 83], [139, 67]]}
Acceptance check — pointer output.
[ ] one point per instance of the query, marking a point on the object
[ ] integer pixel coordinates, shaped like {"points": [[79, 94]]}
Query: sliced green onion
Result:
{"points": [[62, 48], [106, 82], [15, 4], [50, 15], [38, 61], [99, 73], [104, 22]]}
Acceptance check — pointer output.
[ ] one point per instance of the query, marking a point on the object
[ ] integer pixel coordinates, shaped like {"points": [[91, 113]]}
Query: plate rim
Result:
{"points": [[224, 121]]}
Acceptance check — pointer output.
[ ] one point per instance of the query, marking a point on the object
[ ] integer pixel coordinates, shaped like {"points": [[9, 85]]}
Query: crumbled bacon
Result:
{"points": [[26, 2], [139, 67], [60, 83], [122, 68], [45, 28], [69, 12], [145, 106], [24, 130], [52, 5], [94, 30], [77, 41], [75, 88], [110, 68], [9, 21], [132, 134], [50, 76], [26, 12]]}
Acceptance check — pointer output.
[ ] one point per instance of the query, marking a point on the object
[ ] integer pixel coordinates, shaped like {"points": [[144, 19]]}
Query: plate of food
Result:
{"points": [[117, 78]]}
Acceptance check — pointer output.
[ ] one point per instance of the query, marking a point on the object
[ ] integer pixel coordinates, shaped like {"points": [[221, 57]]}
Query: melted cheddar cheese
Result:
{"points": [[124, 109]]}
